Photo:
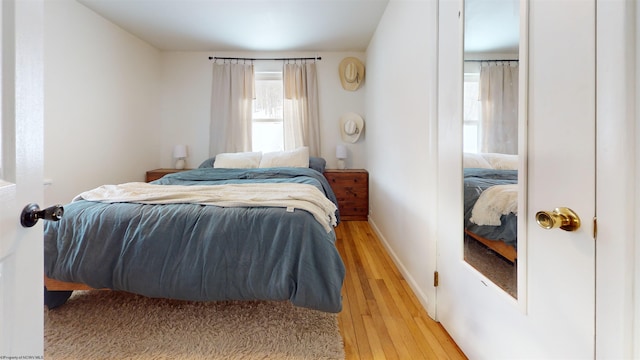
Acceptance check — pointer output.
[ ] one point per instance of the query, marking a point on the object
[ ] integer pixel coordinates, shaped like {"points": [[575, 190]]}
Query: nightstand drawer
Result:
{"points": [[351, 188]]}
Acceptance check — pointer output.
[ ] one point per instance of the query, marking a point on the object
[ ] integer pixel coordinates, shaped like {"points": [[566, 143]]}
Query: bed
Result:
{"points": [[240, 248], [490, 202]]}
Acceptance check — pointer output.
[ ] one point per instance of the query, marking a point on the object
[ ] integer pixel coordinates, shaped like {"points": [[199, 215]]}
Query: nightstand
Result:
{"points": [[351, 187], [158, 173]]}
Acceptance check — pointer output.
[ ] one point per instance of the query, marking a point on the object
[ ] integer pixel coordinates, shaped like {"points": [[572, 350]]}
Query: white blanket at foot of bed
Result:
{"points": [[494, 202]]}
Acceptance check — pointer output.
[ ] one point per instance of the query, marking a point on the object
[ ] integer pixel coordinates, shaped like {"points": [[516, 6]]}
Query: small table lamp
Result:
{"points": [[341, 154], [180, 153]]}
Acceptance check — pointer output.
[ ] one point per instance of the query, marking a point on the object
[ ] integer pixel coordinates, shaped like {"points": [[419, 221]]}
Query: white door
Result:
{"points": [[21, 179], [553, 316]]}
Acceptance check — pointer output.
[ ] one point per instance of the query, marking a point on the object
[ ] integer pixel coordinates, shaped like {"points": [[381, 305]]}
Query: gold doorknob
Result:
{"points": [[562, 217]]}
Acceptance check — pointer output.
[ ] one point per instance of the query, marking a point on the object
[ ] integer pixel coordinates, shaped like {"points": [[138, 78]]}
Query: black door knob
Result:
{"points": [[32, 213]]}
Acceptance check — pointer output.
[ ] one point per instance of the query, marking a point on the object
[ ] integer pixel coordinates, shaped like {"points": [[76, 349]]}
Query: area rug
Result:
{"points": [[119, 325], [496, 268]]}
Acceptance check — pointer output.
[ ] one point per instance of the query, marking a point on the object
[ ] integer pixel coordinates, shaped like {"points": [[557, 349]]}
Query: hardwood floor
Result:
{"points": [[381, 317]]}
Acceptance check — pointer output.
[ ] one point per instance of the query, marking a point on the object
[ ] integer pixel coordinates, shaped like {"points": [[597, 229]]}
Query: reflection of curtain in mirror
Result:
{"points": [[301, 120], [231, 108], [499, 99]]}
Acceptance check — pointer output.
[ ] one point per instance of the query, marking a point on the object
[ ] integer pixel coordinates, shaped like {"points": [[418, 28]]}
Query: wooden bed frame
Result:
{"points": [[56, 285], [506, 251]]}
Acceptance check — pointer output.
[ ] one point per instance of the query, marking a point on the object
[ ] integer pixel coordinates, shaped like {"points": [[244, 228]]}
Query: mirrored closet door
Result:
{"points": [[490, 139]]}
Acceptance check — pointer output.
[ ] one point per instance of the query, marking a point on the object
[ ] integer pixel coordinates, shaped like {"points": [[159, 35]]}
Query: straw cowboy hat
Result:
{"points": [[351, 126], [351, 73]]}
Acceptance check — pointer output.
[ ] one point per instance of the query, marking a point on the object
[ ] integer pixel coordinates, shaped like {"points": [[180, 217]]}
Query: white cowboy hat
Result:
{"points": [[351, 127], [351, 72]]}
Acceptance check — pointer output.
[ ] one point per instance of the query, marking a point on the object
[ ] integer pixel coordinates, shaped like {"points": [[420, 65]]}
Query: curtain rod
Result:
{"points": [[258, 59], [495, 60]]}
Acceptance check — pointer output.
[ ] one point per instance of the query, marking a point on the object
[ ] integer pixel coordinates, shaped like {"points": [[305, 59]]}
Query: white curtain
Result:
{"points": [[499, 101], [231, 108], [301, 120]]}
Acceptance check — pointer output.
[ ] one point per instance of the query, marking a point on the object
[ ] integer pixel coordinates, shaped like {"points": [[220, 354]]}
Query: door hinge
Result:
{"points": [[595, 227], [435, 279]]}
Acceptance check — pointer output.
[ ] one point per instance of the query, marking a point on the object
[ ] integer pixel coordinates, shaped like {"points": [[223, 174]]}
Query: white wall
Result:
{"points": [[617, 186], [101, 102], [402, 139], [115, 106], [636, 165], [186, 104]]}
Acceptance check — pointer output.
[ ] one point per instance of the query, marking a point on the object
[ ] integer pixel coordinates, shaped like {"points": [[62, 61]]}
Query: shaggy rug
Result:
{"points": [[119, 325], [496, 268]]}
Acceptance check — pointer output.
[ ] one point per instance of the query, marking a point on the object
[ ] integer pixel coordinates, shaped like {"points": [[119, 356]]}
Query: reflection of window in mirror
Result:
{"points": [[1, 157], [472, 108]]}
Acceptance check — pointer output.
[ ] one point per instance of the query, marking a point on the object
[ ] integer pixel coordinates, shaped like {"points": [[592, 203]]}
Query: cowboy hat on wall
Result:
{"points": [[351, 73], [351, 127]]}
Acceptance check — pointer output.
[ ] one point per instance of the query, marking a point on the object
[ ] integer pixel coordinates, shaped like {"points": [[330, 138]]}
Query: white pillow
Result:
{"points": [[502, 161], [471, 160], [241, 160], [291, 158]]}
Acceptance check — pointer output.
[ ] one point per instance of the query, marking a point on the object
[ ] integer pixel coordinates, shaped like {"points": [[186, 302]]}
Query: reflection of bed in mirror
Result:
{"points": [[490, 201]]}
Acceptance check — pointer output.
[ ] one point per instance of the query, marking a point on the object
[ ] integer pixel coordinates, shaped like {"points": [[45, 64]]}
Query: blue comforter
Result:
{"points": [[201, 253], [475, 182]]}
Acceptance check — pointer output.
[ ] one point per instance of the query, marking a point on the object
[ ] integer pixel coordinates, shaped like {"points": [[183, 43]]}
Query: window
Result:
{"points": [[267, 121], [472, 113]]}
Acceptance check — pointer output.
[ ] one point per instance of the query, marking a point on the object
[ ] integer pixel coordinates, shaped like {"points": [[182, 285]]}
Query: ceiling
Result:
{"points": [[290, 25], [246, 25], [492, 26]]}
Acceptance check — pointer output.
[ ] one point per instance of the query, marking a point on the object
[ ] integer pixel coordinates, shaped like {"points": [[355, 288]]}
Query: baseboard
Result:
{"points": [[422, 297]]}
